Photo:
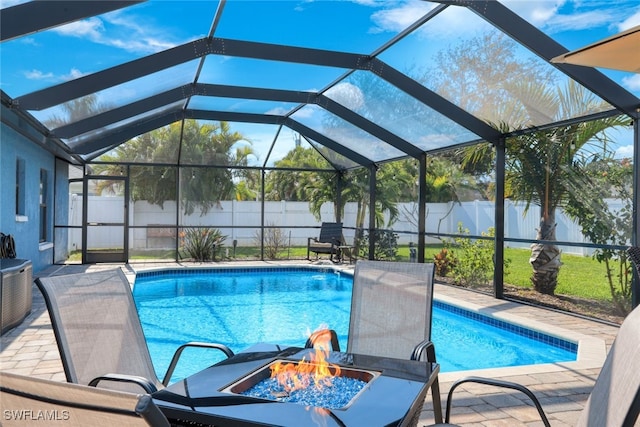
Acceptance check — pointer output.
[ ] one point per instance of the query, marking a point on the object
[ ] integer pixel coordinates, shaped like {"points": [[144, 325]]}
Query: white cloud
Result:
{"points": [[120, 31], [347, 94], [91, 29], [630, 22], [624, 152], [568, 15], [632, 82], [29, 40], [277, 111], [536, 12], [34, 74], [305, 112], [37, 75], [398, 18], [579, 21], [446, 26], [148, 45], [73, 74]]}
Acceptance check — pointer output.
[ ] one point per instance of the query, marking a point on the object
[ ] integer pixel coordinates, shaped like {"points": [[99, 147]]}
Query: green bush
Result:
{"points": [[202, 244], [386, 245], [473, 259]]}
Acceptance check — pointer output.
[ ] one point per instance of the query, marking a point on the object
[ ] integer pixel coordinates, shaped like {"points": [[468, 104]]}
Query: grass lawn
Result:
{"points": [[579, 276]]}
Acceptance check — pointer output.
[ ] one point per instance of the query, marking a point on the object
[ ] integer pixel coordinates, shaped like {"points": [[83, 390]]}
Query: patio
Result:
{"points": [[30, 349]]}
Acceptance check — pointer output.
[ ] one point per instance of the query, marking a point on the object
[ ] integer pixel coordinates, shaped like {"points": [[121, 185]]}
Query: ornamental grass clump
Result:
{"points": [[202, 244]]}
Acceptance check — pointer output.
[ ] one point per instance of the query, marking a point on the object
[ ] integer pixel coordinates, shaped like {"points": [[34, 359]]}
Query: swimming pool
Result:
{"points": [[243, 306]]}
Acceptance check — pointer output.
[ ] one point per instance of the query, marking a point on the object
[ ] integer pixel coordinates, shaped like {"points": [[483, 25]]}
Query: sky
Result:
{"points": [[51, 57]]}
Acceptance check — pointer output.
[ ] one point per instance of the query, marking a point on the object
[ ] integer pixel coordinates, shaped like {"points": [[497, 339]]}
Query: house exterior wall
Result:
{"points": [[25, 228], [61, 213]]}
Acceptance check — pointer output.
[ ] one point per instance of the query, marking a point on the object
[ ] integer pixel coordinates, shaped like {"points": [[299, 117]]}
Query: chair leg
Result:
{"points": [[437, 402]]}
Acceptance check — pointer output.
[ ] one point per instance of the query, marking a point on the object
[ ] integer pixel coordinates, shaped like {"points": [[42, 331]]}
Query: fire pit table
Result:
{"points": [[393, 393]]}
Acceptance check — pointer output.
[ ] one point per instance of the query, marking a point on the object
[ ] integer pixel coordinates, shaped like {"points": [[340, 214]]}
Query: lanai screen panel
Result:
{"points": [[241, 105], [355, 27], [159, 146], [256, 143], [261, 73], [334, 158], [98, 139], [576, 25], [118, 96], [488, 74], [384, 104], [345, 133], [456, 50], [44, 59]]}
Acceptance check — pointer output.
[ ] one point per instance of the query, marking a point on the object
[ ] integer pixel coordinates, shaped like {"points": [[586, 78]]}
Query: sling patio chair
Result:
{"points": [[99, 334], [615, 398], [33, 401], [391, 307], [328, 242]]}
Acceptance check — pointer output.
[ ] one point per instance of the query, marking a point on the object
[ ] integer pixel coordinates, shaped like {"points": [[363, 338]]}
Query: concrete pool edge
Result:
{"points": [[592, 351]]}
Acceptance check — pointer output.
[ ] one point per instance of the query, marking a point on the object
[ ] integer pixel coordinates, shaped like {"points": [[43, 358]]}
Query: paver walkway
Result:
{"points": [[563, 388]]}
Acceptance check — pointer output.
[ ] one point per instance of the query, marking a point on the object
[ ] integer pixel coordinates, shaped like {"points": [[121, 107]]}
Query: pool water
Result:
{"points": [[241, 307]]}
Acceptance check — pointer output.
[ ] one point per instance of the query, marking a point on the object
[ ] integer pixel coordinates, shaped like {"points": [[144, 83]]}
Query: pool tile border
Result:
{"points": [[527, 332], [222, 270], [591, 351]]}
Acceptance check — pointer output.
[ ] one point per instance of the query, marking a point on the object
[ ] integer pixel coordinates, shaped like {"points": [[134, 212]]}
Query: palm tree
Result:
{"points": [[294, 185], [76, 109], [206, 152], [540, 167]]}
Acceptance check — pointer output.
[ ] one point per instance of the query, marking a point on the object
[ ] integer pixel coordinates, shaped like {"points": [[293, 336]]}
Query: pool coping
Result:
{"points": [[591, 352]]}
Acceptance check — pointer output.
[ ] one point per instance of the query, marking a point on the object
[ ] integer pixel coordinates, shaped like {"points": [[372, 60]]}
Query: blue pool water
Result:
{"points": [[241, 307]]}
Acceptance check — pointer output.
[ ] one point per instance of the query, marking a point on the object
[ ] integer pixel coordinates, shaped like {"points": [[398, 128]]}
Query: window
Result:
{"points": [[20, 187], [44, 195]]}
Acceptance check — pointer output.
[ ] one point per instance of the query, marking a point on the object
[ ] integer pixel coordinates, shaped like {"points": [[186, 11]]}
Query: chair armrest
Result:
{"points": [[150, 412], [496, 383], [425, 347], [335, 345], [144, 383], [174, 361]]}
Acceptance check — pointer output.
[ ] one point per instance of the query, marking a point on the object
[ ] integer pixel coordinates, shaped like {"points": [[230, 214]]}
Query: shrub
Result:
{"points": [[444, 262], [274, 241], [386, 245], [201, 244], [474, 259]]}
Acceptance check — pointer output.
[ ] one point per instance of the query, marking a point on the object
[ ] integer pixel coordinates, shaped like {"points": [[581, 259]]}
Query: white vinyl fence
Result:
{"points": [[229, 216]]}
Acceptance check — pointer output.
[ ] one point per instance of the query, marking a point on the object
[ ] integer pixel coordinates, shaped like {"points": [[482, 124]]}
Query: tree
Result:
{"points": [[207, 154], [446, 182], [540, 168], [604, 179], [488, 68], [483, 76], [75, 110], [295, 185]]}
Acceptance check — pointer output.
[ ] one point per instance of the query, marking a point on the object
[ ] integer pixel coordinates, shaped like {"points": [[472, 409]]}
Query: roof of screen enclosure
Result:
{"points": [[325, 74]]}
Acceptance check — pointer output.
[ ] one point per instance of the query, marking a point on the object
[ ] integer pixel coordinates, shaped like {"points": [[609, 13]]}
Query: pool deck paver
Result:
{"points": [[563, 388]]}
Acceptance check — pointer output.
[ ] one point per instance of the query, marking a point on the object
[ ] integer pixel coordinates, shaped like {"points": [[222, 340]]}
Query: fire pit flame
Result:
{"points": [[316, 371]]}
